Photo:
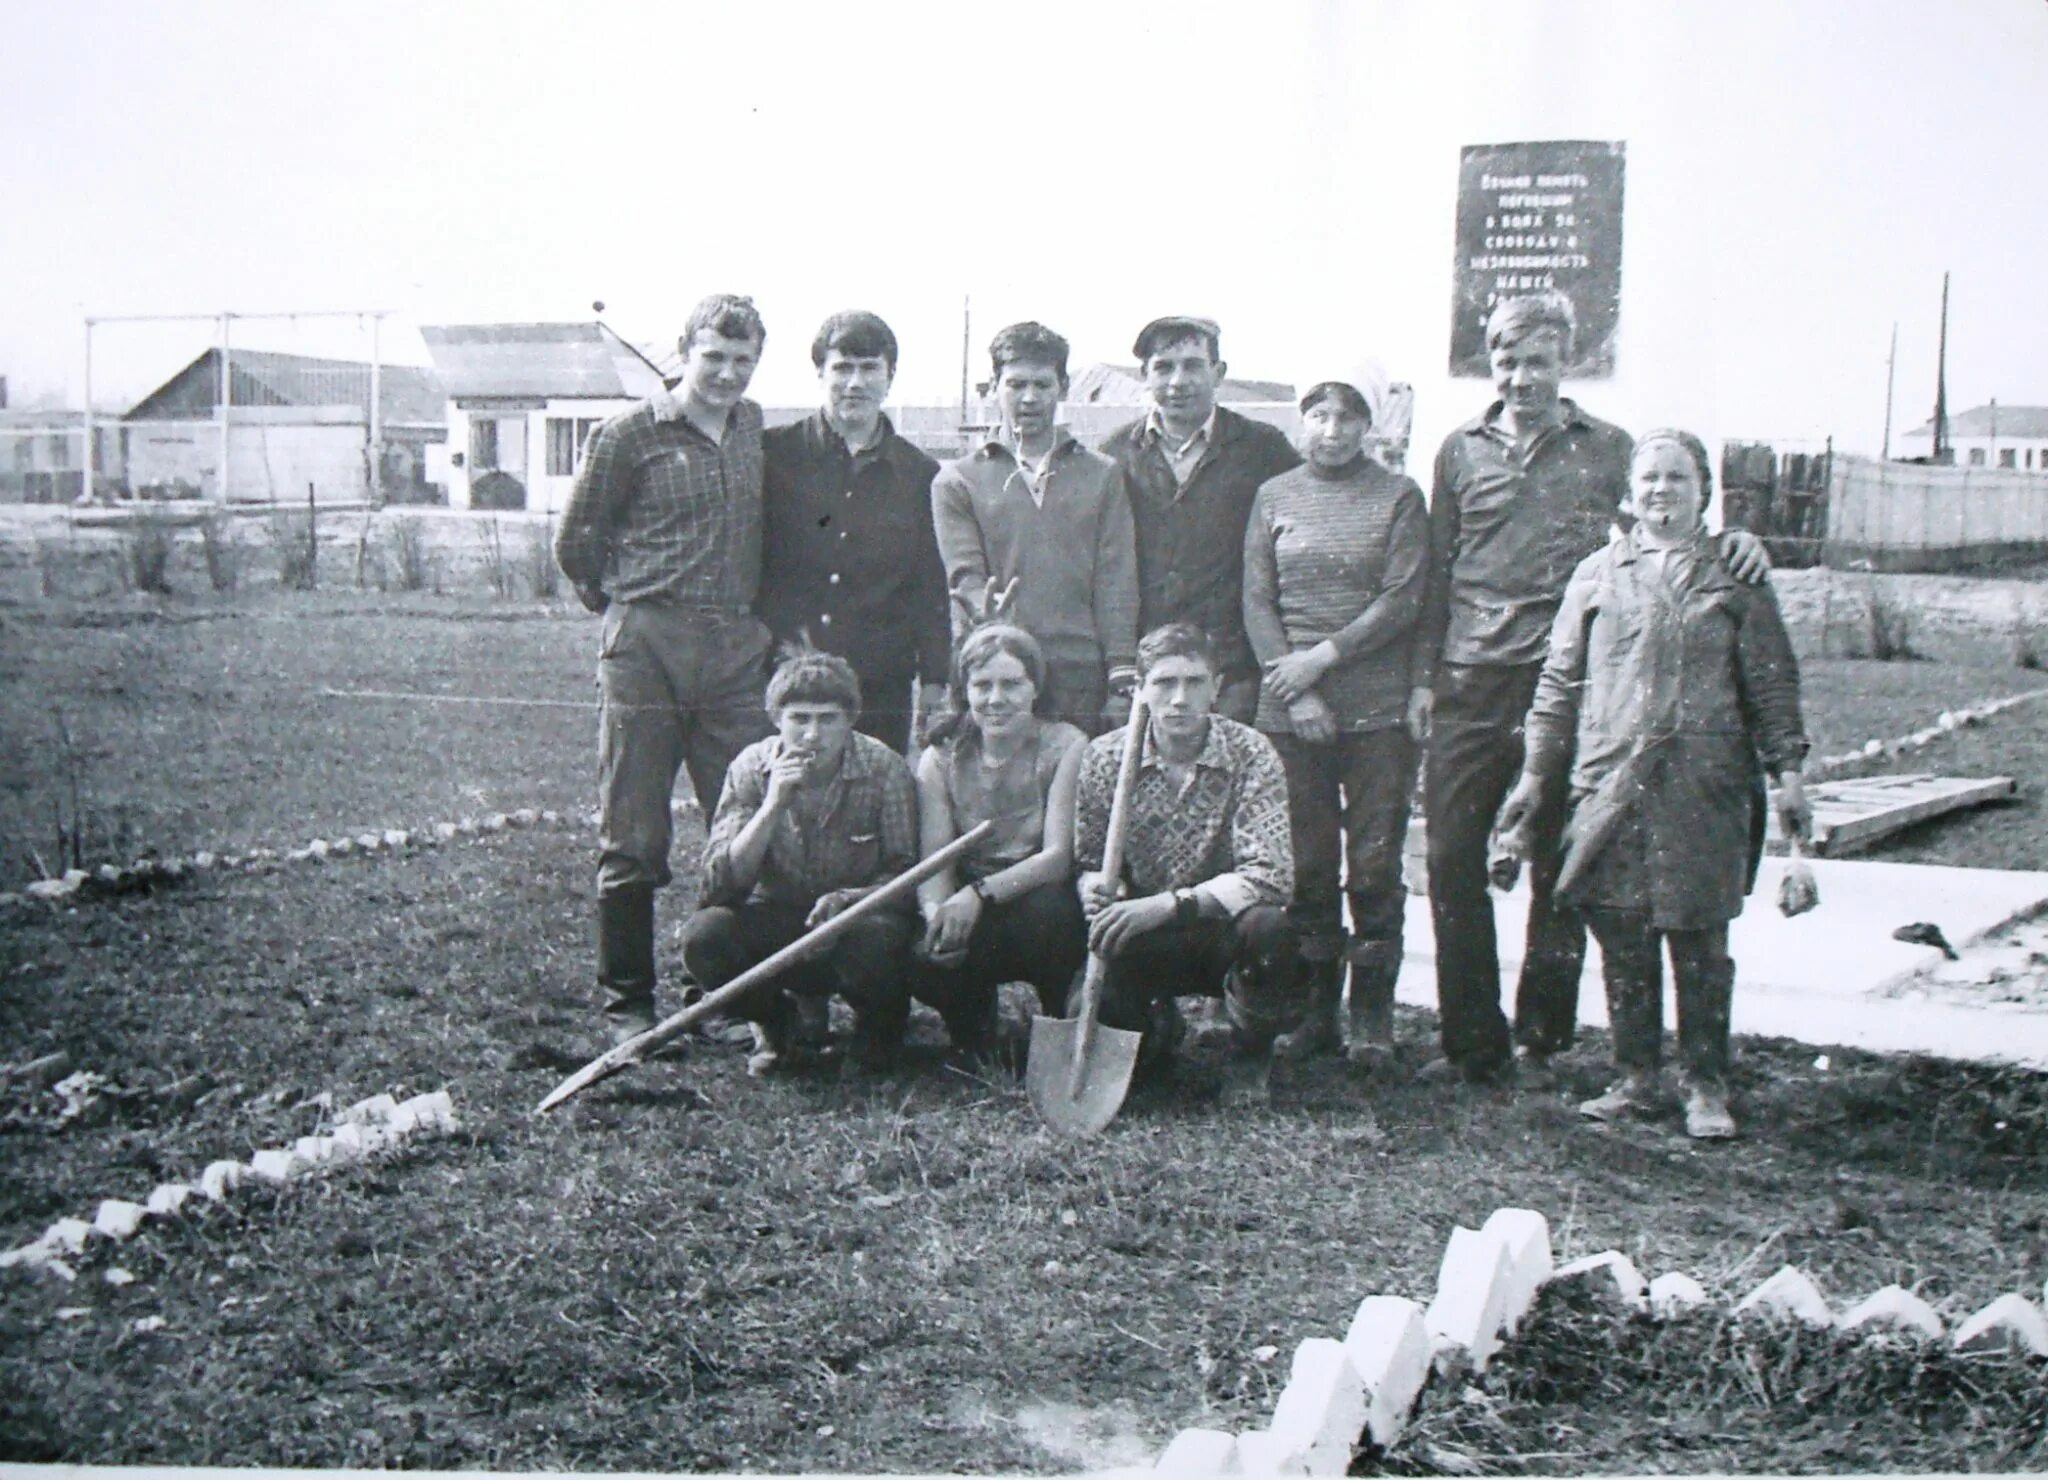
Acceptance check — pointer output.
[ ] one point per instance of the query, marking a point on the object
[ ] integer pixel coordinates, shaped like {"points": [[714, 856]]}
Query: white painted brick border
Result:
{"points": [[78, 885], [380, 1123], [1364, 1388], [1946, 722]]}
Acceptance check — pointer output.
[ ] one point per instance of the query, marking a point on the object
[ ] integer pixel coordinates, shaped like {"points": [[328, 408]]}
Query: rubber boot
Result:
{"points": [[1373, 969], [1321, 1030], [625, 959]]}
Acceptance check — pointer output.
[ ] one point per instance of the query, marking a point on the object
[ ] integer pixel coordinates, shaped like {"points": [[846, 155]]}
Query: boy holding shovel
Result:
{"points": [[1200, 907]]}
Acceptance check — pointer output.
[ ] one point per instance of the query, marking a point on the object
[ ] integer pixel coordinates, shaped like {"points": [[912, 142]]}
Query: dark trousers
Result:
{"points": [[678, 687], [1075, 692], [865, 966], [1252, 962], [1039, 937], [1474, 755], [885, 706], [1347, 804], [1631, 950]]}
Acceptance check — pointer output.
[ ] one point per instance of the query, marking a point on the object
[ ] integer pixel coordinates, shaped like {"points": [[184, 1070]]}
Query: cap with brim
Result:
{"points": [[1176, 327]]}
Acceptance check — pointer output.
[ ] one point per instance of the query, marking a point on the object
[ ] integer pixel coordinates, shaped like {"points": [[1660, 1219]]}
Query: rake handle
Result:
{"points": [[633, 1050]]}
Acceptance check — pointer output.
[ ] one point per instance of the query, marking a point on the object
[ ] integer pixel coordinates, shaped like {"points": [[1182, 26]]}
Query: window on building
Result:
{"points": [[567, 437], [1976, 457], [2008, 457]]}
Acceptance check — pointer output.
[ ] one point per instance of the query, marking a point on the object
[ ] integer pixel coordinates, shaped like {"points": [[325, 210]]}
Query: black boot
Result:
{"points": [[1375, 966], [1321, 1029], [625, 959]]}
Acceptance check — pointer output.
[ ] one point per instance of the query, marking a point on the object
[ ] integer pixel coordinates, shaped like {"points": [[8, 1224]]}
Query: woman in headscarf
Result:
{"points": [[1335, 564], [1007, 911], [1667, 686]]}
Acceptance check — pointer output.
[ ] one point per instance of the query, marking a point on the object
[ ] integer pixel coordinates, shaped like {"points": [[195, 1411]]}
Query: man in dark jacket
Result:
{"points": [[1191, 468], [848, 558]]}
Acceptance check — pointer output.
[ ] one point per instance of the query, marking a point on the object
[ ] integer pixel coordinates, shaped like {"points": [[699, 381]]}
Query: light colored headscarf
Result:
{"points": [[1367, 377]]}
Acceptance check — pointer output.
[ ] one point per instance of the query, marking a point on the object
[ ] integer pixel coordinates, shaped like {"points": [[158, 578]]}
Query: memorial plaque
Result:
{"points": [[1535, 216]]}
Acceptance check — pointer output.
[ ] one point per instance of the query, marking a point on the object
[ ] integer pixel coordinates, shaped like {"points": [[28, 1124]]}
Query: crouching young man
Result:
{"points": [[812, 820], [1208, 868]]}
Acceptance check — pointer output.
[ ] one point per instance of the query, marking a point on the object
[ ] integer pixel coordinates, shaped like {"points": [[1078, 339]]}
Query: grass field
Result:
{"points": [[686, 1269]]}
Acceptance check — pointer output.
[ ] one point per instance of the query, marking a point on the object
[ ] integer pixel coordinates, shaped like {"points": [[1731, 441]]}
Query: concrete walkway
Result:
{"points": [[1835, 976]]}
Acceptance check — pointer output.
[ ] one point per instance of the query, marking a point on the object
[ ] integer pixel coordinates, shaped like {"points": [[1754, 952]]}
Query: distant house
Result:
{"points": [[523, 400], [42, 455], [1992, 436], [295, 422]]}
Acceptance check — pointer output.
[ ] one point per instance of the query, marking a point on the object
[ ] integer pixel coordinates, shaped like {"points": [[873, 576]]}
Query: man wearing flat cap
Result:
{"points": [[1191, 468]]}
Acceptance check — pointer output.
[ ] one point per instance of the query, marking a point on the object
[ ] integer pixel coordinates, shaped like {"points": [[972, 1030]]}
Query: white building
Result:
{"points": [[1993, 436], [523, 400]]}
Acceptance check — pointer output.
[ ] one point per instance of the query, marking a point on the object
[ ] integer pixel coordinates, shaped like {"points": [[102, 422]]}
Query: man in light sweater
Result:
{"points": [[1034, 515]]}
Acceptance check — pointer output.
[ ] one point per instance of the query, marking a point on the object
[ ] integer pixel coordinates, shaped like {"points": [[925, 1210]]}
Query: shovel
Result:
{"points": [[633, 1050], [1079, 1071]]}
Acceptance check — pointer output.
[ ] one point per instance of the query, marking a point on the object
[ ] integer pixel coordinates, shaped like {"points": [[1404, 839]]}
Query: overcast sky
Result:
{"points": [[1799, 175]]}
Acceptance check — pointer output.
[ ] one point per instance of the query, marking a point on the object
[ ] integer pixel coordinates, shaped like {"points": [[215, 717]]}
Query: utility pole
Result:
{"points": [[966, 335], [227, 398], [88, 408], [1943, 454], [1991, 457], [376, 409], [1890, 364]]}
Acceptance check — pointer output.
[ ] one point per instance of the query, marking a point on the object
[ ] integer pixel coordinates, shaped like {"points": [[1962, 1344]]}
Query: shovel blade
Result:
{"points": [[1078, 1105]]}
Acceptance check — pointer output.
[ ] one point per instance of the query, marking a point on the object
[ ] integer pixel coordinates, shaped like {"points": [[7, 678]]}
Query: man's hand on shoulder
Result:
{"points": [[1745, 556]]}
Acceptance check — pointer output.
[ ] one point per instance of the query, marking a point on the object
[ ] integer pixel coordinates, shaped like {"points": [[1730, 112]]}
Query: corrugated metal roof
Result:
{"points": [[408, 395], [1978, 421], [568, 360]]}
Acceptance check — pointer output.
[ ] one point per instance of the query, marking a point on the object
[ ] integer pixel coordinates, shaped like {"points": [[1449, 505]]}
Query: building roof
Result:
{"points": [[407, 395], [1124, 385], [1980, 421], [585, 360]]}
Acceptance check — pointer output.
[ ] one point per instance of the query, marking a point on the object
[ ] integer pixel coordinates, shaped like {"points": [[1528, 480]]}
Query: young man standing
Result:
{"points": [[1192, 468], [1522, 493], [662, 536], [1035, 514], [849, 561], [1201, 907], [812, 820]]}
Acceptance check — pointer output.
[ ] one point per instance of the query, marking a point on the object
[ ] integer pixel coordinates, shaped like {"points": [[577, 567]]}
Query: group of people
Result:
{"points": [[1590, 684]]}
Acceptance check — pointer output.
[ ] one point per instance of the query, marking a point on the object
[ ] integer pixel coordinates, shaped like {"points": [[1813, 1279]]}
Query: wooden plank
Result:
{"points": [[1852, 815]]}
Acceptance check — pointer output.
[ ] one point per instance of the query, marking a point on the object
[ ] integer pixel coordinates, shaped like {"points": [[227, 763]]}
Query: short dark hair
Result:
{"points": [[1337, 390], [857, 333], [808, 676], [1175, 640], [1028, 341], [1515, 319], [730, 314], [1165, 333]]}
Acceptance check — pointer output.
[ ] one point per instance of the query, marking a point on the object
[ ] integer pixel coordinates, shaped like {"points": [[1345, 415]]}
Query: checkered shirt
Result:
{"points": [[662, 512], [1224, 835], [858, 830]]}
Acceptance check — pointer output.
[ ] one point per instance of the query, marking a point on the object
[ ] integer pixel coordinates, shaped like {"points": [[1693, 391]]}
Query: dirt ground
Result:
{"points": [[687, 1269]]}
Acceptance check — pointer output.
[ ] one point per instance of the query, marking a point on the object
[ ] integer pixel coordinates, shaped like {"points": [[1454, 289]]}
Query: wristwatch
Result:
{"points": [[1187, 907], [980, 890]]}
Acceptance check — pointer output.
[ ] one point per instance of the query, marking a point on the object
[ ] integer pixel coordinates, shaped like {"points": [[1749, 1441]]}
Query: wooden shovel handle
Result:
{"points": [[633, 1050], [1112, 869]]}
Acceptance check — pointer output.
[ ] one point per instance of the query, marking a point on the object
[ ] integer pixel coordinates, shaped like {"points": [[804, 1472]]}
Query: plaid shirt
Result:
{"points": [[1507, 528], [1224, 835], [662, 512], [859, 829]]}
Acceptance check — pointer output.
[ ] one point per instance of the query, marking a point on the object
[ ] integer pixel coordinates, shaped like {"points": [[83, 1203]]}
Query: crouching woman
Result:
{"points": [[812, 820], [1666, 686], [1007, 910]]}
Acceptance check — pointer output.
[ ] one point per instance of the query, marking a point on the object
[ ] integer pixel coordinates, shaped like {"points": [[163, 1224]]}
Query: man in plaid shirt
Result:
{"points": [[812, 820], [662, 536], [1208, 868]]}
